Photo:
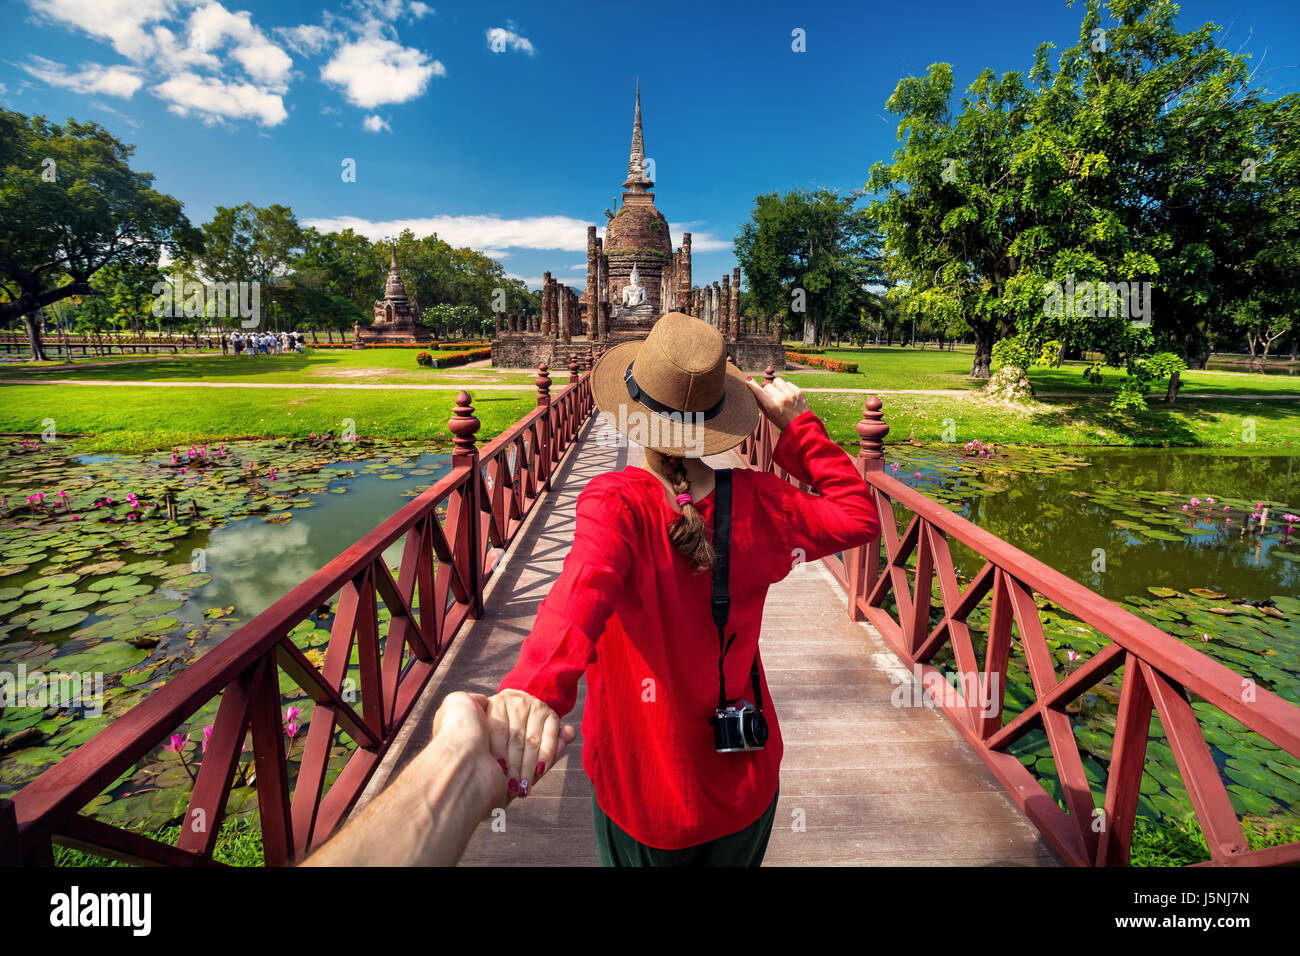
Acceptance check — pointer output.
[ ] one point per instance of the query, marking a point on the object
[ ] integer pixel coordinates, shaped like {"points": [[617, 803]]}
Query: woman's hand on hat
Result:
{"points": [[780, 400], [526, 737]]}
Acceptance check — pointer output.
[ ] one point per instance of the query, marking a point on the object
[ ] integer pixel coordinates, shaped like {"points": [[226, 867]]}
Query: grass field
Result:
{"points": [[322, 366], [905, 368], [125, 418], [140, 418]]}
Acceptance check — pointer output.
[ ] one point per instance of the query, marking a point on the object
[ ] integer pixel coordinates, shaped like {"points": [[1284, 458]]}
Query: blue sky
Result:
{"points": [[506, 126]]}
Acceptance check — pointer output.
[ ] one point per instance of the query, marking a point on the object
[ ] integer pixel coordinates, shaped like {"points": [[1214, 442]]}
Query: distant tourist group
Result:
{"points": [[267, 343]]}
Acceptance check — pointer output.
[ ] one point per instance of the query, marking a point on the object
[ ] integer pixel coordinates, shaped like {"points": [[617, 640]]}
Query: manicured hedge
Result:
{"points": [[820, 361], [460, 358]]}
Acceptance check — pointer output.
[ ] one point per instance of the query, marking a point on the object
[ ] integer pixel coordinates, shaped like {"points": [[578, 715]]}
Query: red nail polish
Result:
{"points": [[541, 769], [514, 785], [502, 761]]}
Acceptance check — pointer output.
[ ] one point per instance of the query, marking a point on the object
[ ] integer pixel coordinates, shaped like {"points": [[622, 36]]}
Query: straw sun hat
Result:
{"points": [[674, 391]]}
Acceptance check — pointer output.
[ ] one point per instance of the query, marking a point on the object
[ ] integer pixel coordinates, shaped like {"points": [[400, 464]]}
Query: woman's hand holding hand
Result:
{"points": [[526, 737], [780, 401]]}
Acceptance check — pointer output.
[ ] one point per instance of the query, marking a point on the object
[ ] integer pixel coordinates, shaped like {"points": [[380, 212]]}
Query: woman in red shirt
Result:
{"points": [[632, 606]]}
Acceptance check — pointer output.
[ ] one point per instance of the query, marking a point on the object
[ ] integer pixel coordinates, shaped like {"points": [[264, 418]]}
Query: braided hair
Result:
{"points": [[687, 532]]}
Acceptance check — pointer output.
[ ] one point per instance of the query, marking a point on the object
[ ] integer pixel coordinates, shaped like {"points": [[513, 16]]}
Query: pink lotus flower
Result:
{"points": [[1225, 507], [1072, 655], [1185, 507], [1290, 517], [76, 517], [207, 737], [1209, 501], [1196, 502], [62, 493], [177, 743]]}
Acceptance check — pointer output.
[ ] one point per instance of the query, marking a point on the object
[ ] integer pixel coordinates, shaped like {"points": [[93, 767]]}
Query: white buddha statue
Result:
{"points": [[634, 291]]}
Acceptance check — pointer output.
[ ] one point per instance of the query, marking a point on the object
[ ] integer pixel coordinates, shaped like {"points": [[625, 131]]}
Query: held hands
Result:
{"points": [[780, 401], [526, 738]]}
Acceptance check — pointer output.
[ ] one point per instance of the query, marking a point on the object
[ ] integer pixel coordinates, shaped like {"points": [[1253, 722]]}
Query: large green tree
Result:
{"points": [[70, 204], [811, 254]]}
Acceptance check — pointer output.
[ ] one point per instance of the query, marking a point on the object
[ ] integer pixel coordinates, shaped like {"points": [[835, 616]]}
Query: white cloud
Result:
{"points": [[306, 39], [419, 9], [700, 241], [373, 124], [96, 105], [477, 232], [119, 80], [373, 70], [215, 100], [121, 22], [500, 39], [533, 282]]}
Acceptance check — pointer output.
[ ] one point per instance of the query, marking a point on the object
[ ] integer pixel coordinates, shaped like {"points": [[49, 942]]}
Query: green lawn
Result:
{"points": [[124, 417], [1221, 422], [318, 366], [127, 418], [900, 368]]}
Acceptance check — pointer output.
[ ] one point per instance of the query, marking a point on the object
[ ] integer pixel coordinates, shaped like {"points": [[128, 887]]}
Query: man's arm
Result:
{"points": [[428, 814]]}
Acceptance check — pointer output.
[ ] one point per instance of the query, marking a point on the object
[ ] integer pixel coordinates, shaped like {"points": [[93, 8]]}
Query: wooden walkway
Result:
{"points": [[876, 784]]}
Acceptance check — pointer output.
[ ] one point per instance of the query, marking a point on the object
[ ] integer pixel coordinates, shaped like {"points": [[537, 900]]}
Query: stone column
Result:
{"points": [[778, 320], [737, 323], [602, 330], [546, 296], [684, 271], [725, 319], [593, 279], [564, 315], [717, 306]]}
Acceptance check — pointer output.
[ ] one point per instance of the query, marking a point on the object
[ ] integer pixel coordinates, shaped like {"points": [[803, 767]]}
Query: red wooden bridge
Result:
{"points": [[868, 781]]}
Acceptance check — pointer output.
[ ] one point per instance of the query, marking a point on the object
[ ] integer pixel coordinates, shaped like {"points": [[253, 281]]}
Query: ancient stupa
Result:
{"points": [[395, 321]]}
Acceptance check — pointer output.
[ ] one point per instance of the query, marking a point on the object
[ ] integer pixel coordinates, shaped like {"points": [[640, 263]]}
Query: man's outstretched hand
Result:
{"points": [[525, 738]]}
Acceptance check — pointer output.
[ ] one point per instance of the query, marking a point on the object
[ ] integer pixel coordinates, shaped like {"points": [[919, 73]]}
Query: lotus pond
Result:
{"points": [[134, 566], [1202, 544]]}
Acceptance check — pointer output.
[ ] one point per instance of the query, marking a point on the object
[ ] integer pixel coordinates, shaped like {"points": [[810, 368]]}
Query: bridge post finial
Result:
{"points": [[573, 366], [463, 426], [590, 356], [543, 383], [871, 434], [769, 375]]}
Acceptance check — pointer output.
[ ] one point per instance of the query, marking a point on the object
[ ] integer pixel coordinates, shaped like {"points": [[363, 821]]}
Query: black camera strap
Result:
{"points": [[721, 584]]}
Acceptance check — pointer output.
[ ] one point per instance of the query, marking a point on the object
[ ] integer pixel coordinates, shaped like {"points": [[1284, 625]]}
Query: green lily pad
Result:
{"points": [[117, 581], [1163, 592], [59, 622], [184, 581], [101, 567]]}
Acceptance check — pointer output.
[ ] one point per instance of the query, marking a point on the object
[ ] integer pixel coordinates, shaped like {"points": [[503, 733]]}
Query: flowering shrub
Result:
{"points": [[830, 364], [424, 359]]}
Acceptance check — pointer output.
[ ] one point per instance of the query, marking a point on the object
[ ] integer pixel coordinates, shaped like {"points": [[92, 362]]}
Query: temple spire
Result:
{"points": [[637, 180]]}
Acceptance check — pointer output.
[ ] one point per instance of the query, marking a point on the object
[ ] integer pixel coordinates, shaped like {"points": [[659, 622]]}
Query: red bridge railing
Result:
{"points": [[445, 565], [1159, 670]]}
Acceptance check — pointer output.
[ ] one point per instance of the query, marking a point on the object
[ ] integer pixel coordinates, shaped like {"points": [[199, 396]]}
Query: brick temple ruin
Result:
{"points": [[633, 277], [396, 317]]}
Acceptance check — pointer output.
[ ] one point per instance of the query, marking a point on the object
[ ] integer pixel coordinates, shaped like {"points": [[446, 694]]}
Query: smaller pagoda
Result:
{"points": [[395, 314]]}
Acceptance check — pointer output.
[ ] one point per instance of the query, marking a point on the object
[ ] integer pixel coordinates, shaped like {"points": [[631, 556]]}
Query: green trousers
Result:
{"points": [[742, 848]]}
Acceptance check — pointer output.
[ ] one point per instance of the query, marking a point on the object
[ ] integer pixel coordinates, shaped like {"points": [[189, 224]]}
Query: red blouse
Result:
{"points": [[630, 611]]}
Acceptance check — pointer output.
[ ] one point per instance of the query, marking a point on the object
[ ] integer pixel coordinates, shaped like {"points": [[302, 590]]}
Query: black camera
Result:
{"points": [[738, 726]]}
